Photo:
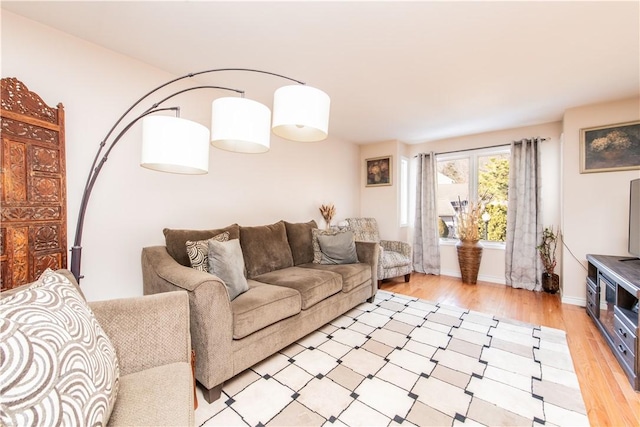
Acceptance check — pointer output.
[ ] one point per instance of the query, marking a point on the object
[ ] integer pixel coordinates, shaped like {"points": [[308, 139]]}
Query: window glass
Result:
{"points": [[493, 180], [453, 188], [469, 175]]}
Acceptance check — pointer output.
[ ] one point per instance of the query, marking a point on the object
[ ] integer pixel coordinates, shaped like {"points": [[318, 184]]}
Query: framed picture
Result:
{"points": [[378, 171], [610, 148]]}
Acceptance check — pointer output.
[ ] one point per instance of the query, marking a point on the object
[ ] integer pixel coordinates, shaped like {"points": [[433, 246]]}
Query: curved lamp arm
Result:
{"points": [[98, 163]]}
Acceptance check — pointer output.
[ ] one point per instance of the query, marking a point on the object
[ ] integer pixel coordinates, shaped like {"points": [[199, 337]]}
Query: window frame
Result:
{"points": [[403, 215], [473, 155]]}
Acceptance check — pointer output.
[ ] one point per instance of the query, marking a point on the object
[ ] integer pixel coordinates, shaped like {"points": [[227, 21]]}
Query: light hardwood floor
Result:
{"points": [[609, 398]]}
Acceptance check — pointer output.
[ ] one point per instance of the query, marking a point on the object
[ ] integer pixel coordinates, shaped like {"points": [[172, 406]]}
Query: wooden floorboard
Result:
{"points": [[609, 398]]}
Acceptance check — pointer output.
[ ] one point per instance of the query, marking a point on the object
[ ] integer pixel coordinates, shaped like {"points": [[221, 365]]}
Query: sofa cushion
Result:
{"points": [[142, 393], [176, 240], [313, 285], [58, 365], [262, 305], [226, 262], [300, 241], [338, 249], [198, 251], [265, 248], [353, 275]]}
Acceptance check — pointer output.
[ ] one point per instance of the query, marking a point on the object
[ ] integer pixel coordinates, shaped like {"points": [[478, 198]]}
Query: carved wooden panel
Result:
{"points": [[36, 133], [16, 97], [33, 236]]}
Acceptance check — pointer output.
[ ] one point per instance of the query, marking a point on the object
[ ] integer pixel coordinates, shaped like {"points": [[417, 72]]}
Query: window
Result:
{"points": [[404, 191], [465, 176]]}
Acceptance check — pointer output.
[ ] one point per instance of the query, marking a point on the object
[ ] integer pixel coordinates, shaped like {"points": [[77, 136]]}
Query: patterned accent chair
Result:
{"points": [[395, 256]]}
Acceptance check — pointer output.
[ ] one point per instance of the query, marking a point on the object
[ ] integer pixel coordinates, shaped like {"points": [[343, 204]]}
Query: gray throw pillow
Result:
{"points": [[338, 248], [226, 262], [317, 253]]}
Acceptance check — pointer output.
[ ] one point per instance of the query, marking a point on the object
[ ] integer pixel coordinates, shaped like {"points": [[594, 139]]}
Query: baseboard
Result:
{"points": [[582, 302], [481, 277]]}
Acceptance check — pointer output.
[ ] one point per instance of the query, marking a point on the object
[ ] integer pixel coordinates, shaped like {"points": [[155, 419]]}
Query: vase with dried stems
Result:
{"points": [[328, 212], [469, 220]]}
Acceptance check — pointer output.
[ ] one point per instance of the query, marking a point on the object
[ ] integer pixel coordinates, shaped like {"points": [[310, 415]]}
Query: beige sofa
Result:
{"points": [[289, 295], [152, 343]]}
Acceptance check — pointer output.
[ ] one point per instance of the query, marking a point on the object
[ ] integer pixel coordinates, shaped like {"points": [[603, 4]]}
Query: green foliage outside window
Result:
{"points": [[443, 230], [493, 179], [497, 227]]}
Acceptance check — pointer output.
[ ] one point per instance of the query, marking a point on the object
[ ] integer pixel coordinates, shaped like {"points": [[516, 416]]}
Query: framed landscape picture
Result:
{"points": [[610, 148], [378, 171]]}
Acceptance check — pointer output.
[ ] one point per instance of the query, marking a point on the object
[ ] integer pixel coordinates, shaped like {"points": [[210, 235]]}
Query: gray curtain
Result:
{"points": [[426, 247], [524, 223]]}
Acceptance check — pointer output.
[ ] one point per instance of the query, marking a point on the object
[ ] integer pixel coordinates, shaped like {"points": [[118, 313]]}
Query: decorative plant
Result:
{"points": [[328, 212], [469, 218], [547, 249]]}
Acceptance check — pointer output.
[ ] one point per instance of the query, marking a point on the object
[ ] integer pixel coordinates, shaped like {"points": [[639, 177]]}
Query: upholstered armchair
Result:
{"points": [[65, 355], [395, 256]]}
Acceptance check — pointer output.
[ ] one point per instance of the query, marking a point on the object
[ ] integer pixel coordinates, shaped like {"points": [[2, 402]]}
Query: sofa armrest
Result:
{"points": [[397, 246], [147, 331], [159, 268], [210, 308], [369, 252]]}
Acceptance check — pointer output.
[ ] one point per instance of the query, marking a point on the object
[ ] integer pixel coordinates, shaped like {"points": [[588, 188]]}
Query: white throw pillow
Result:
{"points": [[58, 365]]}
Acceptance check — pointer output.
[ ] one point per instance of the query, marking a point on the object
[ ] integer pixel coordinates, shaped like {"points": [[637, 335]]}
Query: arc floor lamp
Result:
{"points": [[172, 144]]}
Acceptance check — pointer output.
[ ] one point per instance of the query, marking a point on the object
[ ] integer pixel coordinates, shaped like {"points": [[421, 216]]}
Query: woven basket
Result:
{"points": [[469, 257]]}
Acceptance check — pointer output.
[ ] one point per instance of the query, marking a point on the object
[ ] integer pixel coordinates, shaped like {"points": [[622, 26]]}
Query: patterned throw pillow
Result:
{"points": [[317, 252], [58, 365], [198, 250]]}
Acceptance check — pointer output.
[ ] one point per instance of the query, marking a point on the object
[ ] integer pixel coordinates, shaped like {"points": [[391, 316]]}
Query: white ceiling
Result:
{"points": [[412, 71]]}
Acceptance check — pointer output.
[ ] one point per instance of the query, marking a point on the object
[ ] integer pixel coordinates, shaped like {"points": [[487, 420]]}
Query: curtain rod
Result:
{"points": [[482, 148]]}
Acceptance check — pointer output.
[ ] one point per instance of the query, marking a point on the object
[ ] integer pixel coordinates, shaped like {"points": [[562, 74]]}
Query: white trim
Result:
{"points": [[481, 277], [574, 301], [488, 244], [404, 192]]}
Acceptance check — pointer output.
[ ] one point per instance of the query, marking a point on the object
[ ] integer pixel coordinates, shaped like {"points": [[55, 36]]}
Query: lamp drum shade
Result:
{"points": [[301, 113], [240, 125], [172, 144]]}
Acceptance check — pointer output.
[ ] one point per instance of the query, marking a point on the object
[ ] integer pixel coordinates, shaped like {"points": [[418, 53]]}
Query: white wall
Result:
{"points": [[382, 202], [595, 205], [131, 205], [493, 261]]}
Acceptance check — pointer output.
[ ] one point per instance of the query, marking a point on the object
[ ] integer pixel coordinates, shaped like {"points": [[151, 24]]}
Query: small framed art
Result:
{"points": [[378, 171], [610, 148]]}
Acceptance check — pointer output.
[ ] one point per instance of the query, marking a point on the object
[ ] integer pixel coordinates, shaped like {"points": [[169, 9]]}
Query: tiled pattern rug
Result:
{"points": [[403, 361]]}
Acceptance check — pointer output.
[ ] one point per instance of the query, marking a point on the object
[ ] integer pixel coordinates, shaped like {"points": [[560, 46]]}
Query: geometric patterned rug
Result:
{"points": [[402, 361]]}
